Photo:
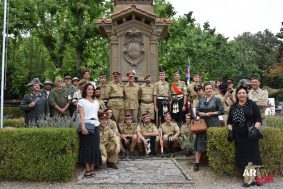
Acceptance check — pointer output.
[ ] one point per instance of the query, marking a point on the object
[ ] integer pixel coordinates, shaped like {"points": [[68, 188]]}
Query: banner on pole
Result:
{"points": [[188, 73]]}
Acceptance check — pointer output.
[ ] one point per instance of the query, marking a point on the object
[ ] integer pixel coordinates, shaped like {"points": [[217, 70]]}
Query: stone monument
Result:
{"points": [[134, 31]]}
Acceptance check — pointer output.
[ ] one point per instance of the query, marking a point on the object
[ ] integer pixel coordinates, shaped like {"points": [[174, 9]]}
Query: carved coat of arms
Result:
{"points": [[133, 48]]}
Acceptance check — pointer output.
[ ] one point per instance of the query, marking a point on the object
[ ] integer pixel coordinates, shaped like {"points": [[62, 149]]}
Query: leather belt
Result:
{"points": [[145, 102], [113, 97], [162, 98], [180, 96], [240, 124]]}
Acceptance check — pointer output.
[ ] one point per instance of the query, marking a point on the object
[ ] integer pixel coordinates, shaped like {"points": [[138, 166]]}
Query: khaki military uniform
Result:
{"points": [[147, 102], [162, 92], [115, 94], [103, 93], [178, 100], [260, 97], [112, 125], [108, 143], [227, 104], [132, 100], [187, 138], [102, 106], [130, 130], [192, 92], [60, 97], [150, 128], [168, 129]]}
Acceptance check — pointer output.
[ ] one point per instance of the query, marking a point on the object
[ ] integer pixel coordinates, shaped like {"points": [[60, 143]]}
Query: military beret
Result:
{"points": [[176, 72], [116, 73], [75, 79], [130, 74], [102, 74], [34, 81], [147, 76], [48, 81]]}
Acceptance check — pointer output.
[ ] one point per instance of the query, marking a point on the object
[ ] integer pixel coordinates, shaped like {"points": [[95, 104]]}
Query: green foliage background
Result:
{"points": [[55, 37]]}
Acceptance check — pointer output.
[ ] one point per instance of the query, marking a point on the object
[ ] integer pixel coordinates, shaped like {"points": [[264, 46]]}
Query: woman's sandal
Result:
{"points": [[92, 173], [88, 174]]}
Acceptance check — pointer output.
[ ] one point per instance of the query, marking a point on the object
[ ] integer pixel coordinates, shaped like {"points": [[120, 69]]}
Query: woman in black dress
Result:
{"points": [[208, 108], [244, 111], [89, 152]]}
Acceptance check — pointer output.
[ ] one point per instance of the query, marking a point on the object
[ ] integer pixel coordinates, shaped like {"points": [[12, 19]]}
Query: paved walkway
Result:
{"points": [[139, 173]]}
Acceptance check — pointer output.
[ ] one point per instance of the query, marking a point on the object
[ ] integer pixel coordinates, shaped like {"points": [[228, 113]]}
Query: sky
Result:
{"points": [[234, 17]]}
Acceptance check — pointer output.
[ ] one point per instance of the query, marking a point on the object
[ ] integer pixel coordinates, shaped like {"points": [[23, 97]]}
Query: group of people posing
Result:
{"points": [[147, 118]]}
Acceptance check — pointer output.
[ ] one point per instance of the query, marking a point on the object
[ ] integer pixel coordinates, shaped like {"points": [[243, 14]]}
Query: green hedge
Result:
{"points": [[221, 153], [38, 154], [13, 112], [14, 122]]}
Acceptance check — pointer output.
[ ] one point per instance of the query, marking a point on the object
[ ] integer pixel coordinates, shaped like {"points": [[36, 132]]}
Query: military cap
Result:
{"points": [[75, 79], [229, 81], [102, 115], [188, 115], [166, 114], [82, 81], [48, 81], [67, 77], [147, 76], [161, 71], [176, 72], [34, 81], [196, 74], [102, 74], [128, 116], [145, 115], [130, 74], [116, 73]]}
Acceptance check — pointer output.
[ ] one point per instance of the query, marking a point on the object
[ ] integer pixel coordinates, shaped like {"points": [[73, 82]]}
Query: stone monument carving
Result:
{"points": [[133, 32]]}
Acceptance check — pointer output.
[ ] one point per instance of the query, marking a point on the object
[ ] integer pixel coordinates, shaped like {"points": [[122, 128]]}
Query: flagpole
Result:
{"points": [[3, 64]]}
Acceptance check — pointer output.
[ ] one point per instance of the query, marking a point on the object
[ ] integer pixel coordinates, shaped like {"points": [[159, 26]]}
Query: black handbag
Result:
{"points": [[89, 127], [253, 132]]}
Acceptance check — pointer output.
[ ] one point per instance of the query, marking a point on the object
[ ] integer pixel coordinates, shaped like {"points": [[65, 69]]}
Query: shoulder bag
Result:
{"points": [[198, 126]]}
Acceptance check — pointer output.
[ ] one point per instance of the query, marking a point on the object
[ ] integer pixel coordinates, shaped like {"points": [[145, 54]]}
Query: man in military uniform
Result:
{"points": [[115, 93], [146, 98], [179, 97], [75, 83], [35, 104], [109, 143], [258, 95], [196, 81], [161, 95], [102, 84], [59, 99], [147, 130], [129, 134], [86, 76], [132, 92], [47, 87], [68, 85], [170, 132], [102, 106]]}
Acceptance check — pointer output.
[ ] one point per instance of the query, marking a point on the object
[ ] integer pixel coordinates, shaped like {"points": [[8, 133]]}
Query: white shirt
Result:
{"points": [[90, 111]]}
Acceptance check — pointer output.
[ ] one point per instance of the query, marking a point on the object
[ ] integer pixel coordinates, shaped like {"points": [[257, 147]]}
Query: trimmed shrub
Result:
{"points": [[13, 112], [221, 153], [14, 122], [274, 121], [38, 154]]}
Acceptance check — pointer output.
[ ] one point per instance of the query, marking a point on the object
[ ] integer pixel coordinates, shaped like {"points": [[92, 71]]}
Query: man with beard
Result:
{"points": [[98, 99], [35, 105], [146, 98]]}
